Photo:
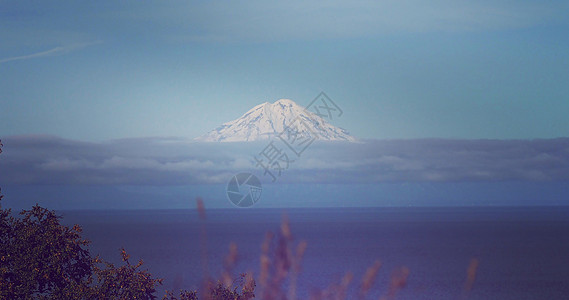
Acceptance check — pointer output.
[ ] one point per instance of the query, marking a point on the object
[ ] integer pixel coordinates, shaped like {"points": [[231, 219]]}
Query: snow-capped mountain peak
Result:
{"points": [[270, 119]]}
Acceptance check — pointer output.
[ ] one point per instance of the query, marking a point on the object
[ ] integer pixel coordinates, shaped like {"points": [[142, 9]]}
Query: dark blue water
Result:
{"points": [[523, 252]]}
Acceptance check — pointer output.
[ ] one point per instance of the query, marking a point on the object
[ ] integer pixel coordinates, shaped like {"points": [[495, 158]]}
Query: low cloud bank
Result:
{"points": [[176, 161]]}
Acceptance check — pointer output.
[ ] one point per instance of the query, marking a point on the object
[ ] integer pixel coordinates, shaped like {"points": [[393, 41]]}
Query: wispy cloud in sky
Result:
{"points": [[161, 161], [51, 52]]}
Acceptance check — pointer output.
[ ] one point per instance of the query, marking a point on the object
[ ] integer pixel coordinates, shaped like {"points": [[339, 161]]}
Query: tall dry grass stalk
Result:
{"points": [[369, 279], [275, 268], [203, 236], [470, 277], [297, 258], [207, 283], [228, 264], [265, 262]]}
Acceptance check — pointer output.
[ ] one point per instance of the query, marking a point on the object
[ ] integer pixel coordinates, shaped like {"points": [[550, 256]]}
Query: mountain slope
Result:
{"points": [[269, 119]]}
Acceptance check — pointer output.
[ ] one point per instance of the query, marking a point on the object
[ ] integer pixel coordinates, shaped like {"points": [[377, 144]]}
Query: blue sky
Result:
{"points": [[95, 71]]}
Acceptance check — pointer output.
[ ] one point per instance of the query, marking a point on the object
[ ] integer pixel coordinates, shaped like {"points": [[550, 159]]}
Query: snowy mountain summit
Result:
{"points": [[271, 119]]}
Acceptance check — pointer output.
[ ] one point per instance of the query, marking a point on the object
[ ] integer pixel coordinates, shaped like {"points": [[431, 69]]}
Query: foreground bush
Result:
{"points": [[42, 259]]}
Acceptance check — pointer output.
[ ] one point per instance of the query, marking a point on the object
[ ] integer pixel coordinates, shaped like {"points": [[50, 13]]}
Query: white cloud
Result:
{"points": [[159, 161], [54, 51], [51, 52]]}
